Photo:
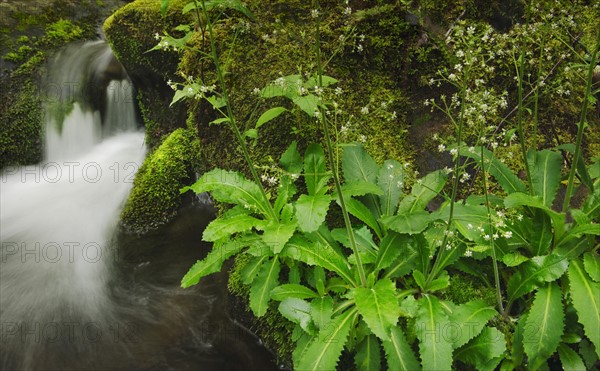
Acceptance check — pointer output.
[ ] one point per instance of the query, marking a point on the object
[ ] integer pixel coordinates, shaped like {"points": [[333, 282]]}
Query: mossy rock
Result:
{"points": [[155, 197]]}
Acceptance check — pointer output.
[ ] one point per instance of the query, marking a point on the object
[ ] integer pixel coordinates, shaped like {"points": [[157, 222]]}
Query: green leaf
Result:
{"points": [[291, 290], [545, 168], [409, 223], [399, 353], [364, 243], [362, 212], [467, 320], [569, 359], [321, 310], [164, 5], [317, 253], [269, 115], [484, 351], [541, 234], [591, 263], [297, 311], [251, 133], [291, 161], [391, 179], [534, 273], [189, 7], [213, 261], [436, 351], [378, 306], [545, 324], [358, 188], [503, 175], [514, 259], [179, 95], [585, 295], [391, 247], [357, 165], [522, 199], [462, 216], [311, 211], [315, 173], [420, 279], [250, 270], [260, 291], [424, 190], [368, 354], [230, 187], [276, 234], [220, 121], [324, 351], [308, 103], [224, 227]]}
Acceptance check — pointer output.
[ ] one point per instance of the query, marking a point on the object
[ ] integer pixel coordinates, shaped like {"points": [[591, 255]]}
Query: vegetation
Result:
{"points": [[374, 282]]}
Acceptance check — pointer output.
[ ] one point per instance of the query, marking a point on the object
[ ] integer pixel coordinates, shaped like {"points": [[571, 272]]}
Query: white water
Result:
{"points": [[57, 218]]}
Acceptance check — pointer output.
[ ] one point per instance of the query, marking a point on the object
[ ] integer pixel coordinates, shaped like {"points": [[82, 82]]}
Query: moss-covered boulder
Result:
{"points": [[155, 197]]}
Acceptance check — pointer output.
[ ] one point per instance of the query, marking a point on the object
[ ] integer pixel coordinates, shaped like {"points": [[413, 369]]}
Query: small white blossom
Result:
{"points": [[468, 253], [441, 148], [314, 13], [364, 110]]}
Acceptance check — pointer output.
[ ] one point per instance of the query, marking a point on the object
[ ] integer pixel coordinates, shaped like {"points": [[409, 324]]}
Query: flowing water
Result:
{"points": [[74, 294]]}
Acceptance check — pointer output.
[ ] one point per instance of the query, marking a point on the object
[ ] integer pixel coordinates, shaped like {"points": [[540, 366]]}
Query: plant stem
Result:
{"points": [[336, 179], [582, 122], [232, 122]]}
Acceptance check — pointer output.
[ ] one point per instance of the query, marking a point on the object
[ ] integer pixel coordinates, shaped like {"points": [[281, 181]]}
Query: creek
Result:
{"points": [[74, 292]]}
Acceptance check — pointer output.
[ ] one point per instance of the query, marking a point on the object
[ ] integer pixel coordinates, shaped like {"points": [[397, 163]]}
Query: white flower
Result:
{"points": [[452, 76], [314, 13], [468, 253], [347, 11], [338, 91], [507, 234], [441, 148], [256, 91], [486, 237], [364, 110], [157, 36], [362, 138], [453, 151]]}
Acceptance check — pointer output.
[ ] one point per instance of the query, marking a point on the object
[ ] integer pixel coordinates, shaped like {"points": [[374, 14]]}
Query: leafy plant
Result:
{"points": [[375, 287]]}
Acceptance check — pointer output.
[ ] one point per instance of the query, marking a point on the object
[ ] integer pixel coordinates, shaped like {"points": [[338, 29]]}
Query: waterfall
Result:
{"points": [[58, 217]]}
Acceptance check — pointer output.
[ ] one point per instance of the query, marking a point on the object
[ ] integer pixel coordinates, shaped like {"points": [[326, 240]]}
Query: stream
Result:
{"points": [[74, 293]]}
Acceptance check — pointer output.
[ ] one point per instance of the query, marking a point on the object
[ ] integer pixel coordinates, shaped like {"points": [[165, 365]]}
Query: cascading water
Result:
{"points": [[70, 298]]}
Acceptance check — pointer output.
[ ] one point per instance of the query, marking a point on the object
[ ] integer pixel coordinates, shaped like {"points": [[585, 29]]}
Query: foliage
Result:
{"points": [[378, 283]]}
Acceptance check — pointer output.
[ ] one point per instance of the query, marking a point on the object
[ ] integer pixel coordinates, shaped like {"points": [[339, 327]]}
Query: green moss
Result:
{"points": [[155, 196], [464, 288], [21, 127]]}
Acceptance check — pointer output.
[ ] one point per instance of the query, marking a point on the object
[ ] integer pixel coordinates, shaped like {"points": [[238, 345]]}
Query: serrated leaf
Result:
{"points": [[316, 253], [391, 247], [420, 279], [409, 223], [362, 213], [435, 350], [541, 234], [378, 306], [522, 199], [514, 259], [468, 320], [357, 165], [212, 262], [483, 351], [398, 352], [503, 175], [291, 290], [368, 354], [276, 234], [391, 180], [358, 188], [545, 168], [545, 325], [223, 227], [534, 273], [321, 310], [260, 291], [311, 211], [423, 191], [250, 270], [230, 187], [364, 243], [269, 115], [569, 359], [591, 263], [297, 311], [324, 351], [315, 173], [585, 295]]}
